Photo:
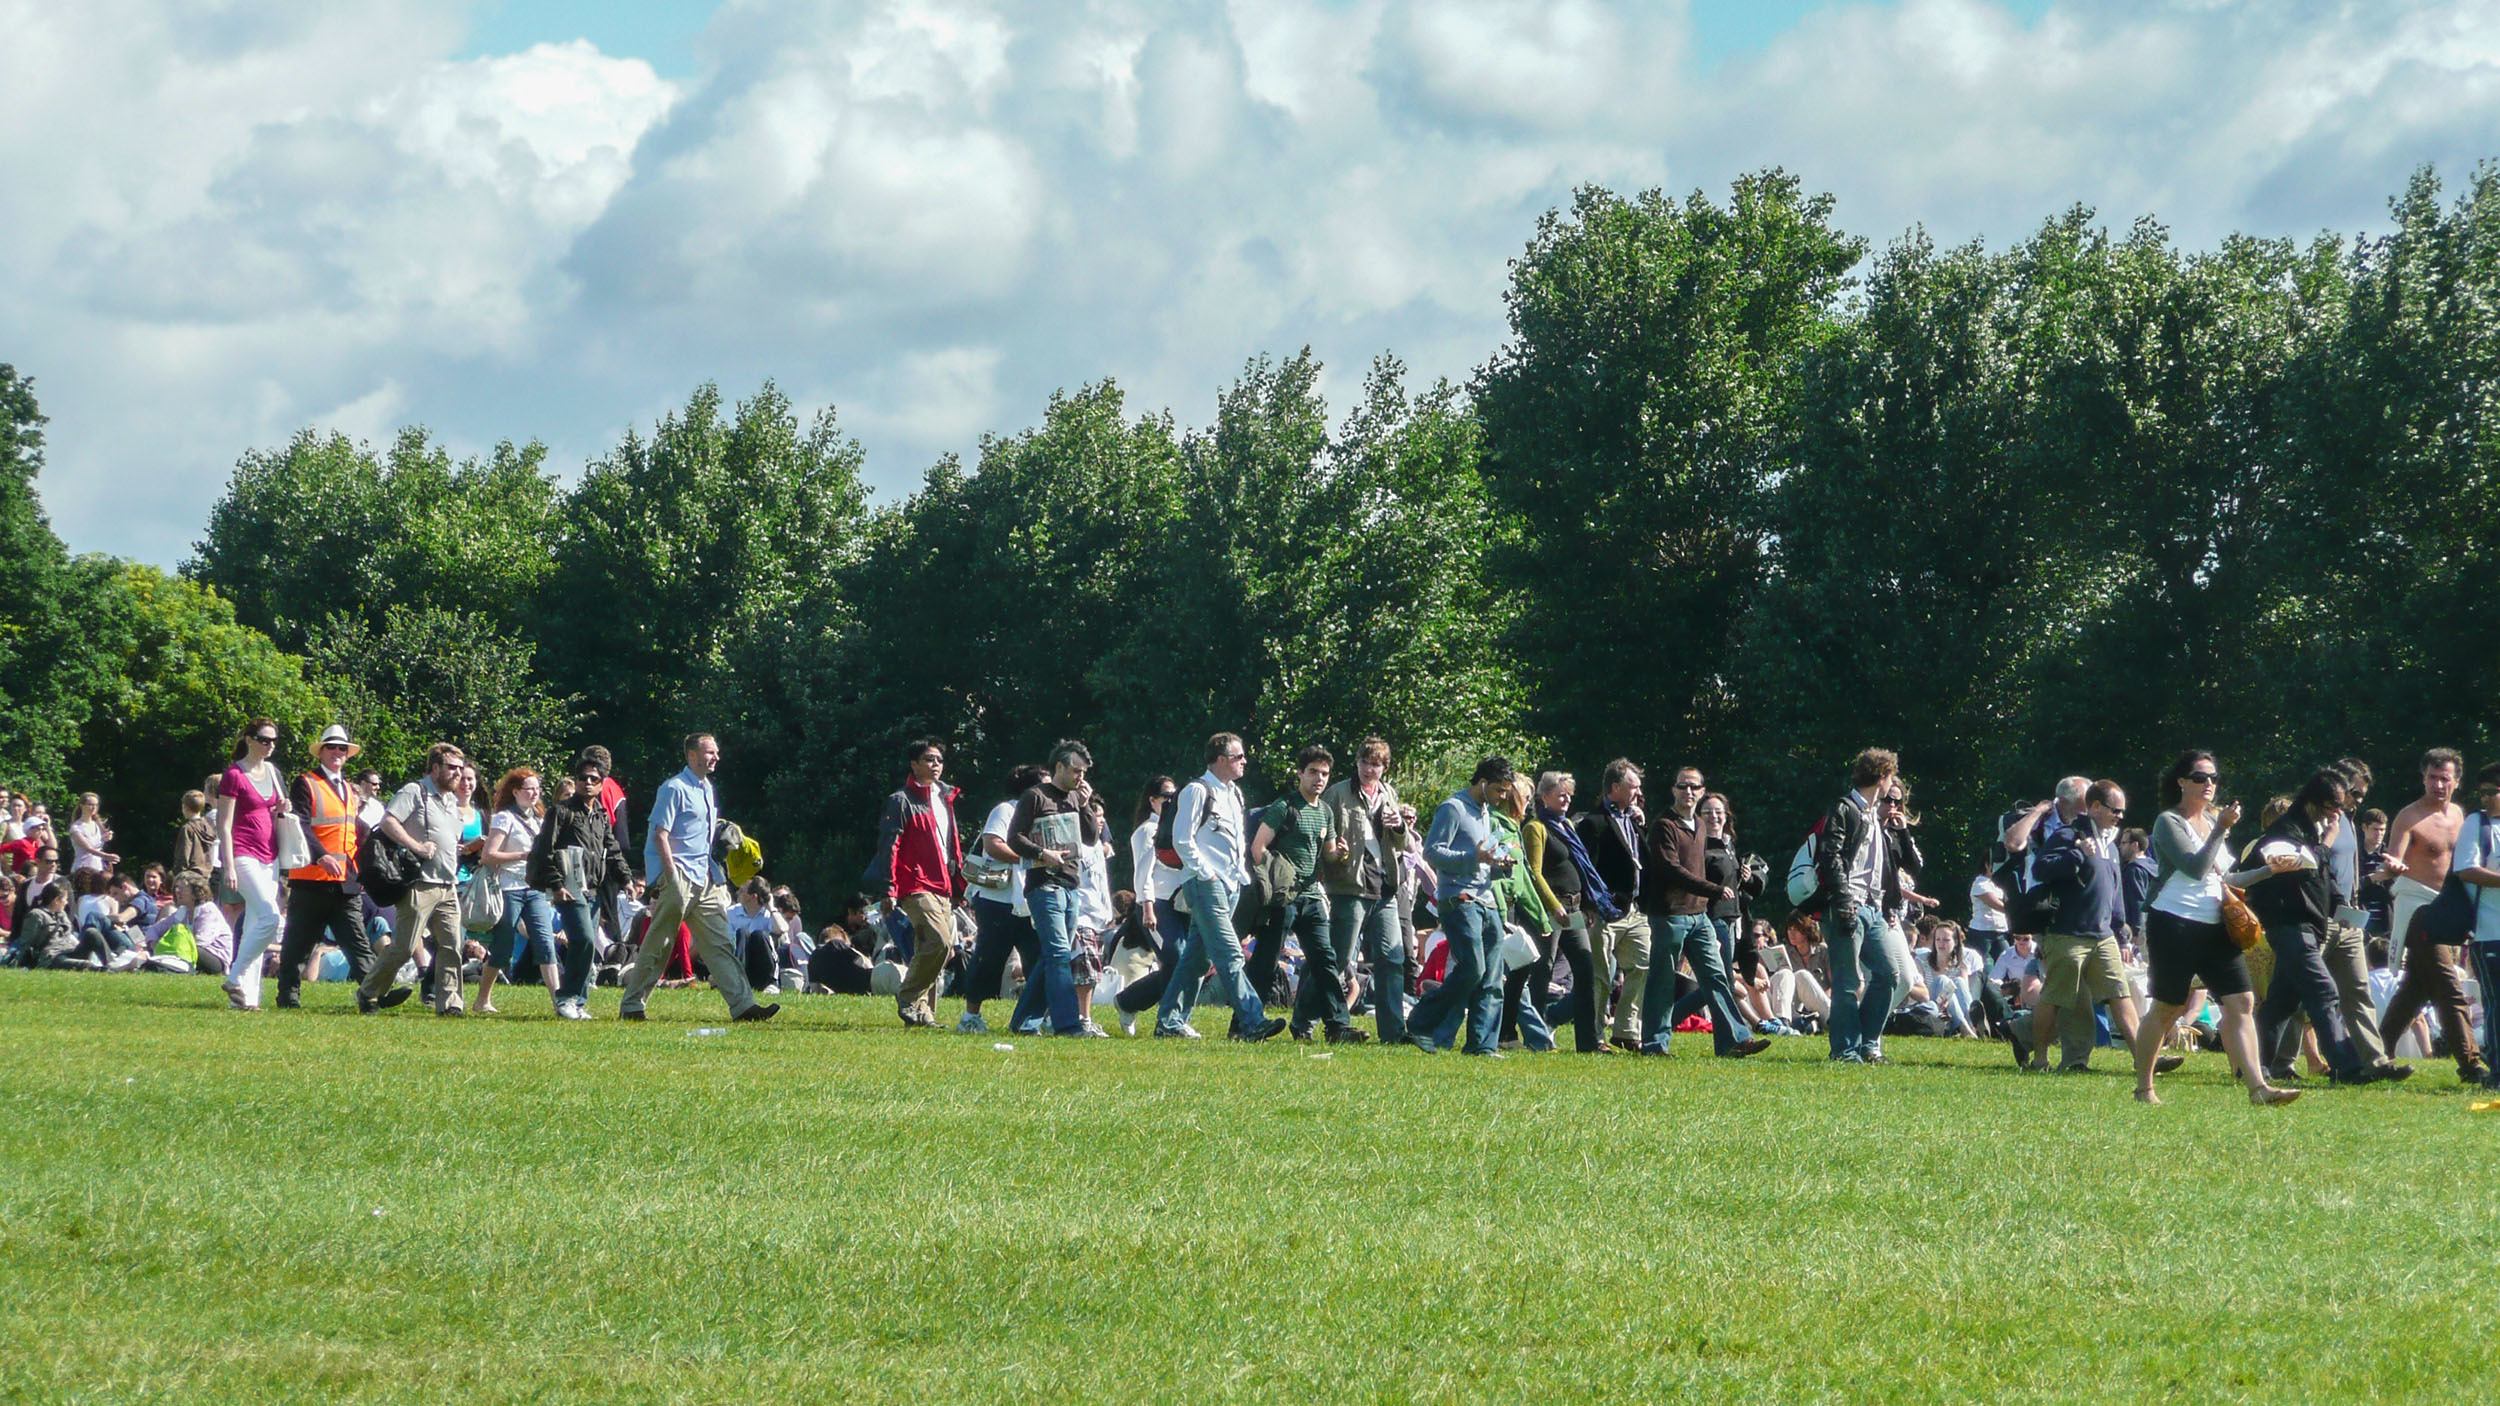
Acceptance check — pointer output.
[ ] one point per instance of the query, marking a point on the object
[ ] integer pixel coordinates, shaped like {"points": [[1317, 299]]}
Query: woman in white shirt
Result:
{"points": [[529, 917], [1987, 915], [2184, 937], [88, 836], [755, 936], [1950, 969], [1095, 918]]}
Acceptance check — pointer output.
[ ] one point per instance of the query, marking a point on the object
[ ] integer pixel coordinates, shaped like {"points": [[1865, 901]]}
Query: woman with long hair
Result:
{"points": [[2184, 939], [88, 836], [1535, 908], [528, 925], [1154, 883], [251, 802], [2291, 891]]}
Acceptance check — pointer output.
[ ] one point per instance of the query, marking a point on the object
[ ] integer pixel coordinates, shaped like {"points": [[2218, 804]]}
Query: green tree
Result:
{"points": [[1633, 425], [50, 611], [423, 675], [326, 525], [184, 676], [682, 563]]}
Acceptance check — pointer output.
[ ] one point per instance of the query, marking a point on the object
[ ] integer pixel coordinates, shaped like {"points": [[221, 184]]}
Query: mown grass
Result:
{"points": [[201, 1206]]}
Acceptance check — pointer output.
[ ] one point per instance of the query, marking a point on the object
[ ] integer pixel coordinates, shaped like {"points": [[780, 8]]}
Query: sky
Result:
{"points": [[221, 223]]}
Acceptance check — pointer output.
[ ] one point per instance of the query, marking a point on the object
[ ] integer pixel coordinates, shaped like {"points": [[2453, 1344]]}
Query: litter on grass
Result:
{"points": [[705, 1030], [1003, 1047]]}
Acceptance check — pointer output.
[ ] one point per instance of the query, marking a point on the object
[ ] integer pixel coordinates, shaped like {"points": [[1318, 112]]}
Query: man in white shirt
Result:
{"points": [[1207, 835]]}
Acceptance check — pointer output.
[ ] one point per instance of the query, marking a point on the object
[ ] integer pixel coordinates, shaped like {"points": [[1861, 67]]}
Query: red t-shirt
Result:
{"points": [[21, 855]]}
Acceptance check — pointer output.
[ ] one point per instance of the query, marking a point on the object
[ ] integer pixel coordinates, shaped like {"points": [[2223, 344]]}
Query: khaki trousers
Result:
{"points": [[430, 913], [1625, 943], [932, 942], [704, 908]]}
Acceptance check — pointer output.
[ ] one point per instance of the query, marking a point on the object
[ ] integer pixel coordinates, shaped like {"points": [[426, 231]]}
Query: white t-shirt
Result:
{"points": [[1009, 891], [1150, 878], [2197, 898], [514, 831], [1982, 917]]}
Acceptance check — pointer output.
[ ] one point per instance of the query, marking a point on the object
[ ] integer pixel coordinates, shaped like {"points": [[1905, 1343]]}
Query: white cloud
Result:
{"points": [[933, 212]]}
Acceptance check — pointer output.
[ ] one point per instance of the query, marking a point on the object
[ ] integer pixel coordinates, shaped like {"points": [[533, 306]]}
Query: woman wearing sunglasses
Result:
{"points": [[2184, 940], [252, 800]]}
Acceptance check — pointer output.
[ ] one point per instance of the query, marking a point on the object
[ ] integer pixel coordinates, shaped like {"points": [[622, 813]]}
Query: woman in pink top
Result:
{"points": [[252, 799]]}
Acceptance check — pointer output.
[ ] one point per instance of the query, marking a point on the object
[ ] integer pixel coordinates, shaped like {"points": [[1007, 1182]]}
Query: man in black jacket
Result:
{"points": [[579, 823], [1676, 893], [1612, 835], [1849, 875]]}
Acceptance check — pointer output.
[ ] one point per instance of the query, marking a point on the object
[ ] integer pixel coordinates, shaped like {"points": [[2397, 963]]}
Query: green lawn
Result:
{"points": [[203, 1206]]}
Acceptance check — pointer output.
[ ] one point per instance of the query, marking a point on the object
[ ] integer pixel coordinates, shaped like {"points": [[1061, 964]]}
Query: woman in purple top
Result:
{"points": [[252, 799]]}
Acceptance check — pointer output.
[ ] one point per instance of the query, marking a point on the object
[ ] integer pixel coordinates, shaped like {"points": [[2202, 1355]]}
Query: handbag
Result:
{"points": [[293, 850], [2240, 920], [385, 868], [481, 900], [1518, 949]]}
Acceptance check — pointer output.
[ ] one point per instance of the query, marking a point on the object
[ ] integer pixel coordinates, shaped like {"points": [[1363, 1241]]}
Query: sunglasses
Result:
{"points": [[266, 739], [1689, 786], [2202, 778], [1165, 795]]}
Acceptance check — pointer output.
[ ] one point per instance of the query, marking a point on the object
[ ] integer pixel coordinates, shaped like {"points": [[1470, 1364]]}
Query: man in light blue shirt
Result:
{"points": [[686, 885], [1459, 847], [1207, 836], [2477, 862]]}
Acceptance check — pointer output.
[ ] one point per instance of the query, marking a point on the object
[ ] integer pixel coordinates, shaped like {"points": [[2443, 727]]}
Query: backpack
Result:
{"points": [[1804, 885], [1165, 854], [385, 868], [2029, 908], [2449, 919]]}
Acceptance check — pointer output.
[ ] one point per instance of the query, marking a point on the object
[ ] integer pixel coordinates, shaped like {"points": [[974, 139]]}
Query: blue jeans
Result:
{"points": [[1051, 979], [1210, 943], [1474, 986], [581, 947], [2486, 957], [1373, 924], [1696, 939], [529, 924], [1853, 936]]}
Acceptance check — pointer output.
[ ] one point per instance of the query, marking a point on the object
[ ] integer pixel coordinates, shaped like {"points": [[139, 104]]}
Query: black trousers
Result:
{"points": [[315, 910], [1145, 993], [1260, 969], [1001, 932]]}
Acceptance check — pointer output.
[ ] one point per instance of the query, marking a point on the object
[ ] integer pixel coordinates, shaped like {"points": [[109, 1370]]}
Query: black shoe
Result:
{"points": [[631, 1015], [2369, 1074], [2395, 1073], [2022, 1046], [289, 1001], [365, 1005], [2074, 1069], [1348, 1035], [1749, 1048], [2163, 1064], [1302, 1037], [2282, 1076], [2474, 1074], [397, 995], [1267, 1031], [758, 1013]]}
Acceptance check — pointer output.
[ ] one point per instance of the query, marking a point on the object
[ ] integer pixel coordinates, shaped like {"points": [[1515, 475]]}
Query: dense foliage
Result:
{"points": [[1730, 492]]}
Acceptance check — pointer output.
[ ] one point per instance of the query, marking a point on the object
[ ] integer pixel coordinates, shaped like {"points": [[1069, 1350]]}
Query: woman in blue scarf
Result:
{"points": [[1548, 841]]}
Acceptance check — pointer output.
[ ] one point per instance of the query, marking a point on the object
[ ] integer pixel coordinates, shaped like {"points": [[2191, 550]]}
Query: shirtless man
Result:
{"points": [[2423, 838]]}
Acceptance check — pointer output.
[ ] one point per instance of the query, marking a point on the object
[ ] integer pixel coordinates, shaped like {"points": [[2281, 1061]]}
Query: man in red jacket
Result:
{"points": [[919, 867]]}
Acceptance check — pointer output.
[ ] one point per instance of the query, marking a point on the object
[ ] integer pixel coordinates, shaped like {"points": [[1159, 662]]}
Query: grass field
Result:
{"points": [[196, 1205]]}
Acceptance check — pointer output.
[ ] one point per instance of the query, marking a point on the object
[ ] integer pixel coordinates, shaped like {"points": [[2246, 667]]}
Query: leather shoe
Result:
{"points": [[2163, 1064], [1754, 1046], [1267, 1031], [635, 1014], [759, 1012], [1349, 1036]]}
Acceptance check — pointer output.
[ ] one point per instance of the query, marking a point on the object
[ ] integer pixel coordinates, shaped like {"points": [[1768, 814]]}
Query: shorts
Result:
{"points": [[1085, 959], [2076, 969], [2183, 951]]}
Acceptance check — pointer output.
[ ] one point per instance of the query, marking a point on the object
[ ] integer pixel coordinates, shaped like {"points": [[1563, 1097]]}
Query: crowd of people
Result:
{"points": [[2311, 947]]}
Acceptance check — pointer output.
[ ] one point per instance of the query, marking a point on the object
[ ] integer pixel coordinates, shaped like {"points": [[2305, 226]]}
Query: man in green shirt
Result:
{"points": [[1303, 832]]}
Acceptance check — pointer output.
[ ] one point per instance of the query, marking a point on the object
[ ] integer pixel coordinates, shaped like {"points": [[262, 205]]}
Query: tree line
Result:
{"points": [[1731, 492]]}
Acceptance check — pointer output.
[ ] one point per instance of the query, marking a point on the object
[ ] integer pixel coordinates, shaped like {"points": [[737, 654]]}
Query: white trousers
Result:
{"points": [[258, 883]]}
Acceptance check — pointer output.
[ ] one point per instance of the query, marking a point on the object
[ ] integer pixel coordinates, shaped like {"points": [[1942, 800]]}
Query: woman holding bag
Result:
{"points": [[251, 802], [529, 920]]}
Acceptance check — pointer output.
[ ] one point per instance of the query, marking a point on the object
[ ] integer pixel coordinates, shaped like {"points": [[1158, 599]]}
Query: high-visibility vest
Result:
{"points": [[332, 822]]}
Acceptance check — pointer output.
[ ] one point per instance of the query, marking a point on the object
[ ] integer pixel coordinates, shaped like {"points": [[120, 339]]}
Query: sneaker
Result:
{"points": [[972, 1024], [289, 1001], [235, 1000], [773, 990], [2395, 1073], [1349, 1036], [1091, 1031], [1128, 1023], [1488, 1054], [1178, 1032], [453, 1012], [757, 1013], [918, 1020]]}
